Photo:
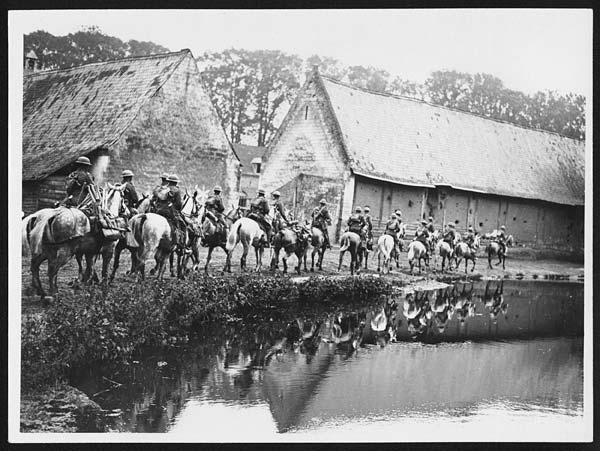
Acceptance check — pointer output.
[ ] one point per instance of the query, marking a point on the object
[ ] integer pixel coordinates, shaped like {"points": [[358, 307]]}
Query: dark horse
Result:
{"points": [[351, 242], [292, 243], [214, 236]]}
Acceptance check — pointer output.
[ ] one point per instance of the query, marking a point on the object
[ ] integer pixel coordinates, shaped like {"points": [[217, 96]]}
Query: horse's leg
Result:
{"points": [[503, 261], [35, 274], [107, 254], [312, 259], [78, 257], [379, 262], [304, 256], [117, 255], [473, 268], [284, 261], [210, 251], [340, 264], [244, 254], [490, 259], [321, 254], [54, 264]]}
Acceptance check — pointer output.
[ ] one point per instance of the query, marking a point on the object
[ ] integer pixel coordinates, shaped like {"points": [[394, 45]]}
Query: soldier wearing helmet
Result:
{"points": [[450, 235], [368, 222], [430, 226], [321, 219], [169, 206], [259, 211], [356, 223], [278, 212], [78, 181], [422, 233], [501, 238], [159, 192], [215, 208], [130, 195], [469, 237], [392, 228]]}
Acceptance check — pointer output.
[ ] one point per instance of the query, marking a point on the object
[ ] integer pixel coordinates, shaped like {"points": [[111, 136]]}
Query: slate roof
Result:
{"points": [[71, 112], [248, 153], [409, 141]]}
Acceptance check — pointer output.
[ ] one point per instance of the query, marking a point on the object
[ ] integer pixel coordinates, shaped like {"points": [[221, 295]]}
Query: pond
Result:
{"points": [[496, 356]]}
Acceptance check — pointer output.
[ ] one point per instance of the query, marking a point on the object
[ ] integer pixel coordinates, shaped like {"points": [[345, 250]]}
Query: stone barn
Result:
{"points": [[149, 114], [393, 152]]}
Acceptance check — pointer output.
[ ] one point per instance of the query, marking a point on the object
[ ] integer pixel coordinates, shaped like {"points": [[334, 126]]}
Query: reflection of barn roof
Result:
{"points": [[74, 111], [248, 155], [409, 141]]}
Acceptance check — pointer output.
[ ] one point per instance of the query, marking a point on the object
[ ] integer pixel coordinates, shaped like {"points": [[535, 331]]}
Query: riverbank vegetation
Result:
{"points": [[115, 324]]}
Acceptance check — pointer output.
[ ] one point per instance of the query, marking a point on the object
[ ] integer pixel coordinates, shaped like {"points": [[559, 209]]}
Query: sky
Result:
{"points": [[529, 50]]}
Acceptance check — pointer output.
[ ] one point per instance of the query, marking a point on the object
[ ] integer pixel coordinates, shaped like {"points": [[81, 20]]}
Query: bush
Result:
{"points": [[110, 325]]}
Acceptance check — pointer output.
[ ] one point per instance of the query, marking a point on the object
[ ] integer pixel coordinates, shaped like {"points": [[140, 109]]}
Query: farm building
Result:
{"points": [[148, 114], [357, 147], [251, 158]]}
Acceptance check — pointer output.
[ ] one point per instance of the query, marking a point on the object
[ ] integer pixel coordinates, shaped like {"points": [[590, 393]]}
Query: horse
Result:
{"points": [[292, 243], [385, 246], [417, 251], [444, 250], [190, 210], [212, 237], [493, 248], [463, 250], [150, 236], [249, 232], [57, 234], [318, 247], [351, 242]]}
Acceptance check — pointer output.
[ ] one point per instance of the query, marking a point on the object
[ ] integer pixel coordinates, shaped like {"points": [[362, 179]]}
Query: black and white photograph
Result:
{"points": [[307, 225]]}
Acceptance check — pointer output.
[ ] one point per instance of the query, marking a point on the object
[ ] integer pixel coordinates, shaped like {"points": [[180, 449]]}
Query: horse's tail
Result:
{"points": [[345, 243], [411, 253], [234, 236], [135, 237]]}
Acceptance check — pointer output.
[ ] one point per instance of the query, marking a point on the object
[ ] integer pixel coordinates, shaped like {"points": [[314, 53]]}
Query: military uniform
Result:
{"points": [[77, 183], [430, 227], [259, 207], [278, 214], [214, 205], [356, 224], [392, 228], [369, 222], [501, 239], [450, 236], [168, 204], [422, 234], [321, 219], [130, 195]]}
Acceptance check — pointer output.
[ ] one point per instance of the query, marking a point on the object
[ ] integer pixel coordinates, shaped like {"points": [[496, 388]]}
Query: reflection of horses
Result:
{"points": [[417, 252], [494, 302], [385, 247], [248, 232], [56, 234], [351, 242], [493, 248], [318, 244], [292, 243], [463, 250], [151, 235], [214, 236]]}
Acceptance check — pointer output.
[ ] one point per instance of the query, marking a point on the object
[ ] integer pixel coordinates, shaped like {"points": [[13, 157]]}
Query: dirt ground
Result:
{"points": [[515, 268]]}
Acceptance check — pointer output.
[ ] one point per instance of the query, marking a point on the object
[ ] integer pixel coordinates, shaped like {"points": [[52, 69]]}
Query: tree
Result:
{"points": [[89, 45]]}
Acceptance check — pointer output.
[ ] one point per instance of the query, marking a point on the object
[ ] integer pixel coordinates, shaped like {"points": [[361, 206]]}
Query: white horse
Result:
{"points": [[151, 235], [463, 250], [385, 247], [444, 250], [493, 248], [417, 252], [248, 232]]}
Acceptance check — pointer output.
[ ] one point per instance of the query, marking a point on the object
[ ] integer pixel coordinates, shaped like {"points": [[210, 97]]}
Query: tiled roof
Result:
{"points": [[71, 112], [248, 153], [409, 141]]}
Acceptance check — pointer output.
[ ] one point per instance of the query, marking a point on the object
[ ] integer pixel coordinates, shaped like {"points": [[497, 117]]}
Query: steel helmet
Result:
{"points": [[503, 227], [83, 160], [398, 212], [423, 222], [173, 178], [276, 193], [323, 201], [261, 191], [217, 188], [127, 173], [451, 225], [164, 175], [358, 210], [470, 228], [367, 209], [431, 218]]}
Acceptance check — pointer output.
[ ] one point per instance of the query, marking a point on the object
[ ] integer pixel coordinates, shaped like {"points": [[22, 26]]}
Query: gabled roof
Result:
{"points": [[408, 141], [71, 112], [248, 153]]}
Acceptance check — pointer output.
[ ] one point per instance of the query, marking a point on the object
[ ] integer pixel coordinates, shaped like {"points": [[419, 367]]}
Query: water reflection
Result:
{"points": [[311, 365]]}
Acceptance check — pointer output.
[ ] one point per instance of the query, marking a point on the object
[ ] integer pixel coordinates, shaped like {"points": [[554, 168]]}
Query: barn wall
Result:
{"points": [[30, 197], [179, 132]]}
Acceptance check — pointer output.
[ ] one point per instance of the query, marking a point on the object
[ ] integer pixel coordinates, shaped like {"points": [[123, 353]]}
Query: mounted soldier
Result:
{"points": [[450, 235], [501, 238], [78, 182], [356, 223], [321, 219], [169, 205], [279, 216], [469, 236], [430, 226], [422, 233], [159, 192], [369, 222], [259, 211], [214, 208], [392, 228], [130, 195]]}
